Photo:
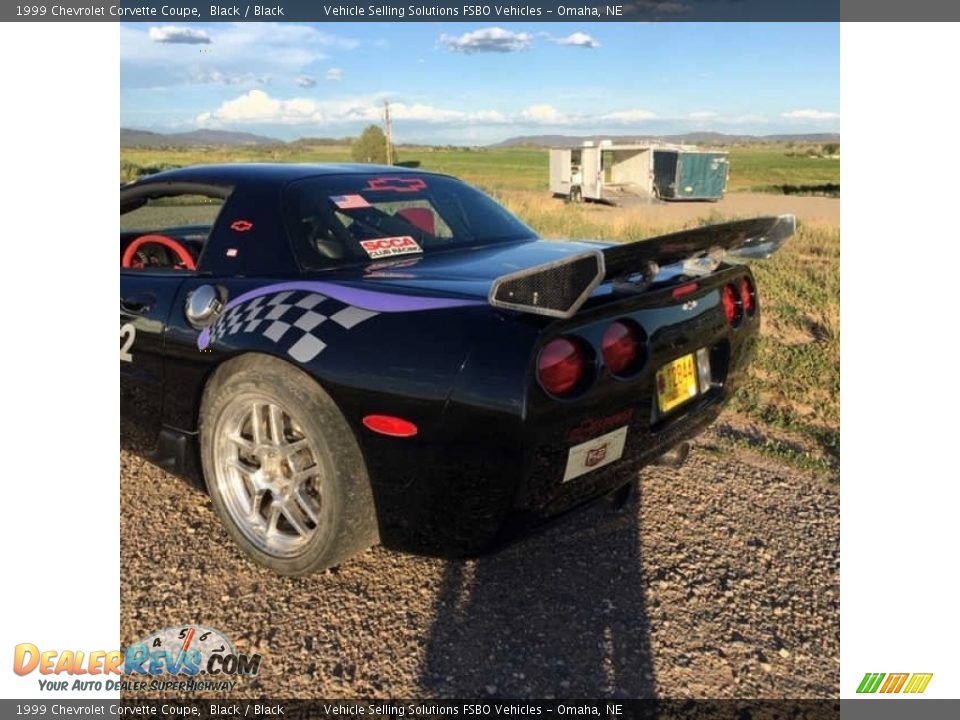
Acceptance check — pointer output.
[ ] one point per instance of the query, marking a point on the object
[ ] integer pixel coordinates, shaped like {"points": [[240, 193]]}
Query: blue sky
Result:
{"points": [[463, 83]]}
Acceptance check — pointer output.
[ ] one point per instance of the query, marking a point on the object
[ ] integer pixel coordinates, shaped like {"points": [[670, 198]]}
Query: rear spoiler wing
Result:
{"points": [[561, 287]]}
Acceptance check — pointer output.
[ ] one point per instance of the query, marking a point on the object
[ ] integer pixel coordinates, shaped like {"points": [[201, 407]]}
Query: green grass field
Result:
{"points": [[757, 168], [789, 406], [761, 168], [490, 169], [793, 387]]}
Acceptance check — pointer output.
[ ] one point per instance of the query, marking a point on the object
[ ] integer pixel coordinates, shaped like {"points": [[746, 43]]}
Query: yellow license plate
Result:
{"points": [[676, 382]]}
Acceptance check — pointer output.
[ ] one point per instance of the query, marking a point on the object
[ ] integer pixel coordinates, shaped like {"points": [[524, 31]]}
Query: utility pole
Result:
{"points": [[387, 131]]}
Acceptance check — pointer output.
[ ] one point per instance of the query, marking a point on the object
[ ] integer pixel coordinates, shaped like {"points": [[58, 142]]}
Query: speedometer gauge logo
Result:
{"points": [[188, 650]]}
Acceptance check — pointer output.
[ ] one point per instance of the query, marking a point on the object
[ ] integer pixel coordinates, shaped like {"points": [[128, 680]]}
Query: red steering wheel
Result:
{"points": [[130, 260]]}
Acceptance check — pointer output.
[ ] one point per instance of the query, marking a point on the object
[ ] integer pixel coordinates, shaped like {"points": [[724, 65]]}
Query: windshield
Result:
{"points": [[341, 219]]}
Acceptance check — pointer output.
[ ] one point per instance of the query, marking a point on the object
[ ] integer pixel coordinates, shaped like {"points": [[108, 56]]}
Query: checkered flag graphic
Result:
{"points": [[292, 319]]}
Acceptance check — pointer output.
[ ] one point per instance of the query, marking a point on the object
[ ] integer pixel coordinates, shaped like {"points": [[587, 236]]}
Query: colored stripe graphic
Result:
{"points": [[894, 682], [371, 300], [870, 682], [367, 299], [918, 682]]}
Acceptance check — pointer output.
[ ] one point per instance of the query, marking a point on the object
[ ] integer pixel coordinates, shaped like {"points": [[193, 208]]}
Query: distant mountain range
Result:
{"points": [[145, 138], [696, 138], [195, 138]]}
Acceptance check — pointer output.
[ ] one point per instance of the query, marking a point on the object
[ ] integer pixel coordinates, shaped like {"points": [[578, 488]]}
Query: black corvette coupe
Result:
{"points": [[351, 354]]}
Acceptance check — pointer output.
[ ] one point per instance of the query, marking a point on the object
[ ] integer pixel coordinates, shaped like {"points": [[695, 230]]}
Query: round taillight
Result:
{"points": [[748, 298], [731, 305], [621, 346], [561, 366]]}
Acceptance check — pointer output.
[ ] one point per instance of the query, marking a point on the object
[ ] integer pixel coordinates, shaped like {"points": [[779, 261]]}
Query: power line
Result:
{"points": [[387, 131]]}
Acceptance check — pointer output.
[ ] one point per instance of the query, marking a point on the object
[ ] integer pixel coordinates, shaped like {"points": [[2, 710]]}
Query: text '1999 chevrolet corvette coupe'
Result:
{"points": [[352, 354]]}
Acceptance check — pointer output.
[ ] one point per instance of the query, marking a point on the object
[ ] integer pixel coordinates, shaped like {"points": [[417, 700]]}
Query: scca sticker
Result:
{"points": [[390, 246]]}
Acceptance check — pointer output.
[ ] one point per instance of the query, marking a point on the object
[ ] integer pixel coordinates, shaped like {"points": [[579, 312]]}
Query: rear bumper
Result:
{"points": [[543, 509], [479, 498], [480, 509], [494, 471], [544, 495]]}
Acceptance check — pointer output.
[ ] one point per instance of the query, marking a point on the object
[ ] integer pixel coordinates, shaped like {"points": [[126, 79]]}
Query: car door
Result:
{"points": [[146, 299], [153, 218]]}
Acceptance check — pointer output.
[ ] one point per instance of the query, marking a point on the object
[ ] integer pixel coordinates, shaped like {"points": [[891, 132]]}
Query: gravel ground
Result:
{"points": [[717, 580], [819, 210]]}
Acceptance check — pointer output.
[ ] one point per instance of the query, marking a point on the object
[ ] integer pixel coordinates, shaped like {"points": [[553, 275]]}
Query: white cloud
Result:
{"points": [[282, 50], [493, 39], [254, 106], [542, 114], [628, 116], [748, 119], [431, 114], [335, 74], [257, 106], [811, 115], [305, 81], [578, 39], [200, 76], [179, 35]]}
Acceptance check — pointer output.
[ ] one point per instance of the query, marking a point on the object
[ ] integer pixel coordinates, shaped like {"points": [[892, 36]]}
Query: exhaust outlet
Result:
{"points": [[621, 496], [674, 457]]}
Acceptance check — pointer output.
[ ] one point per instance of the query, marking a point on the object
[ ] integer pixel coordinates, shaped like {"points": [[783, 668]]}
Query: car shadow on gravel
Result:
{"points": [[560, 615]]}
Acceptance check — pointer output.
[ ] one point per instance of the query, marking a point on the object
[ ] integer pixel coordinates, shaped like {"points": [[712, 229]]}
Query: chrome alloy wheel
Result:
{"points": [[269, 475]]}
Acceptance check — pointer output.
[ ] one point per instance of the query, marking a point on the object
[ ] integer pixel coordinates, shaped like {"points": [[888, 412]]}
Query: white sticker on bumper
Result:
{"points": [[595, 453]]}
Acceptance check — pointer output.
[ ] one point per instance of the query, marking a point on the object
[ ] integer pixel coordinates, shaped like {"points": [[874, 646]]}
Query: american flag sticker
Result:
{"points": [[349, 202]]}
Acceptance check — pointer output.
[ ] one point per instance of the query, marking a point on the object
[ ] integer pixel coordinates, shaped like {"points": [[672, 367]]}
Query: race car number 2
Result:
{"points": [[128, 333]]}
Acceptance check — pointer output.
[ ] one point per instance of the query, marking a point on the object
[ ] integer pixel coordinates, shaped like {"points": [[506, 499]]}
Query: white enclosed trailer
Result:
{"points": [[603, 172]]}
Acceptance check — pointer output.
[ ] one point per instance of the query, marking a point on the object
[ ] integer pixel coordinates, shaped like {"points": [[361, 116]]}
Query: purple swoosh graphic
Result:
{"points": [[365, 299]]}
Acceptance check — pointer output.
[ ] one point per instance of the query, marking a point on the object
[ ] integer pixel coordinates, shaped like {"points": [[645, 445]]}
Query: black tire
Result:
{"points": [[349, 522]]}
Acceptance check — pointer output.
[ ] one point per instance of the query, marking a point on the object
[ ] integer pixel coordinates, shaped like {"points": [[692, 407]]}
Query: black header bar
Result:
{"points": [[480, 11], [185, 11], [426, 709]]}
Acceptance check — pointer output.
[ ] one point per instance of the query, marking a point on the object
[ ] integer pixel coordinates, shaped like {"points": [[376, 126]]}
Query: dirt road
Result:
{"points": [[818, 210], [718, 580]]}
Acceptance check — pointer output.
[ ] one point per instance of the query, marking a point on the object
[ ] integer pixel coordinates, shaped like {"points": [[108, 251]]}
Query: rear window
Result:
{"points": [[345, 219]]}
